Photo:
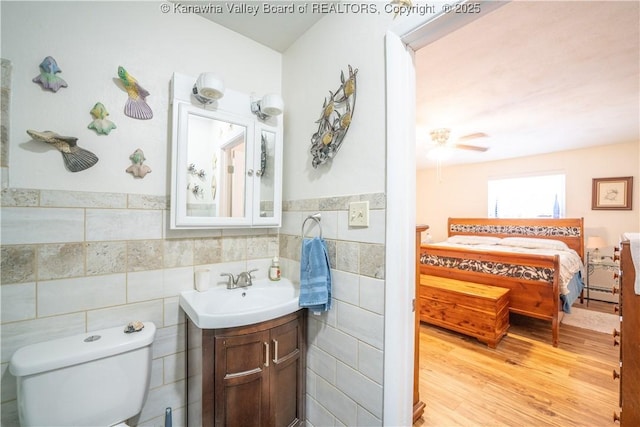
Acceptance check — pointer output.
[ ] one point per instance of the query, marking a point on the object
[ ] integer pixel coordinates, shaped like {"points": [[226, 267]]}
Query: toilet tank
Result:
{"points": [[99, 378]]}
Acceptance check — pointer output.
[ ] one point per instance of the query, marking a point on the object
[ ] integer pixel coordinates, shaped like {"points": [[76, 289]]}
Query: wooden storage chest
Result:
{"points": [[473, 309]]}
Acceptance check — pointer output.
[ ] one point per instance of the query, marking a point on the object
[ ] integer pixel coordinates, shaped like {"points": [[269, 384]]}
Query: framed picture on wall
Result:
{"points": [[612, 193]]}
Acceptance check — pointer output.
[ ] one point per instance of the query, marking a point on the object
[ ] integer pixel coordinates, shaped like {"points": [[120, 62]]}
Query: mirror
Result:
{"points": [[226, 163], [215, 167], [266, 172], [210, 167]]}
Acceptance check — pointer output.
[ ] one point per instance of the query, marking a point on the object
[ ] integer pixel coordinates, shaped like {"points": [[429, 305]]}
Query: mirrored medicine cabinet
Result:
{"points": [[226, 162]]}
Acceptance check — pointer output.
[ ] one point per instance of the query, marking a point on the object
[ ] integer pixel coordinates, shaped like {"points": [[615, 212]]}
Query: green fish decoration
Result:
{"points": [[136, 106], [138, 169], [100, 123], [47, 78]]}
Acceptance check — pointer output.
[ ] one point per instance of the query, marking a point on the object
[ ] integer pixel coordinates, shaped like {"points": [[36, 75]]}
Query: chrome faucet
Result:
{"points": [[243, 279], [232, 282]]}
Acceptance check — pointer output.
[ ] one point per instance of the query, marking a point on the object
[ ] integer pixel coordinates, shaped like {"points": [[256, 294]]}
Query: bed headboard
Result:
{"points": [[568, 230]]}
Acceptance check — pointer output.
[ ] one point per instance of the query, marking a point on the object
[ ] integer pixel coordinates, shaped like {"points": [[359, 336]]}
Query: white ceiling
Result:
{"points": [[270, 27], [537, 77]]}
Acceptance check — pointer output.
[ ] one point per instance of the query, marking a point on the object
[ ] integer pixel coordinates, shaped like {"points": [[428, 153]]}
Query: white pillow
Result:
{"points": [[474, 240], [533, 243]]}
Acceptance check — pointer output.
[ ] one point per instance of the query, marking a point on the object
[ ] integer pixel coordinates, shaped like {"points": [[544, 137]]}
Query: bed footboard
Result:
{"points": [[532, 279]]}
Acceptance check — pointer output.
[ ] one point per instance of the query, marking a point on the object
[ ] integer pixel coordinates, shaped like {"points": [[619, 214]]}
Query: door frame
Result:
{"points": [[401, 41]]}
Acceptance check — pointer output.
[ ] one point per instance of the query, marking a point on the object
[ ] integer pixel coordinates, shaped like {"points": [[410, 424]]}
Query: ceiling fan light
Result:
{"points": [[440, 136]]}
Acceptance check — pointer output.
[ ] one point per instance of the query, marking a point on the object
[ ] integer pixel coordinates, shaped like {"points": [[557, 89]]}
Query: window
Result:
{"points": [[541, 196]]}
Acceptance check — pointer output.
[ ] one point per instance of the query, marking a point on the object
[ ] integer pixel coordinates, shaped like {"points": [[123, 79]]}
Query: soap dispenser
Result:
{"points": [[274, 270]]}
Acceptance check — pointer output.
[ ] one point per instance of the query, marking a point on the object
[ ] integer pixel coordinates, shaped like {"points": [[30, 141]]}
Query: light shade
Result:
{"points": [[269, 106], [208, 88], [272, 104], [596, 242]]}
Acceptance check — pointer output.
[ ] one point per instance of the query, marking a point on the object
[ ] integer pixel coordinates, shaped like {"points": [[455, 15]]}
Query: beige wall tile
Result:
{"points": [[178, 253], [207, 251], [17, 264], [73, 199], [106, 258], [61, 260], [144, 255]]}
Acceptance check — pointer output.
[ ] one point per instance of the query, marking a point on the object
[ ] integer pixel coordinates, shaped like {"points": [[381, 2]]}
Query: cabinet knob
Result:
{"points": [[615, 333], [616, 309], [615, 276], [250, 172], [616, 375], [616, 342], [615, 290], [616, 417], [616, 256]]}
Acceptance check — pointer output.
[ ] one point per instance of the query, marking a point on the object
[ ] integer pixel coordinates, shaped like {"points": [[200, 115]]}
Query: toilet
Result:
{"points": [[99, 378]]}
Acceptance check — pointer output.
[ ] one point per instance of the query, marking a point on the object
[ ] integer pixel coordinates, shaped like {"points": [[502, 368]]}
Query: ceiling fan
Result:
{"points": [[440, 138]]}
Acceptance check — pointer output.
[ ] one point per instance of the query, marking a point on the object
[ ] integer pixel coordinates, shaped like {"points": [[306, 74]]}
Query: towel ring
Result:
{"points": [[316, 217]]}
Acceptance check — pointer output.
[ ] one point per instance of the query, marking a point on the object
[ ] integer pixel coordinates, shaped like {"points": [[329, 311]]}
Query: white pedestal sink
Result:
{"points": [[220, 307]]}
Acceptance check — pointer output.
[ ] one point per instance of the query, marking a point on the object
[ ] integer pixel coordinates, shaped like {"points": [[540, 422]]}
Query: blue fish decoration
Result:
{"points": [[47, 78]]}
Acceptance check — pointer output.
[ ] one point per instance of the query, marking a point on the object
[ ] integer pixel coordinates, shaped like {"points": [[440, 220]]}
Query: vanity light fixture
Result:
{"points": [[208, 88], [269, 106]]}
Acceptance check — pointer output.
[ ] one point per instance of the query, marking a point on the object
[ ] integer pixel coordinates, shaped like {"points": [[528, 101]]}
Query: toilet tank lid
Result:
{"points": [[81, 348]]}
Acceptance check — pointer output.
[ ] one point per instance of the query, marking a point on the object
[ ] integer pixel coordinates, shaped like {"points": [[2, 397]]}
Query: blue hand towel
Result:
{"points": [[315, 275]]}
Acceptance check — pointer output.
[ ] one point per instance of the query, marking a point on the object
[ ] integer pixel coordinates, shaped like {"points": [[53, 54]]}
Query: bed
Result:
{"points": [[496, 252]]}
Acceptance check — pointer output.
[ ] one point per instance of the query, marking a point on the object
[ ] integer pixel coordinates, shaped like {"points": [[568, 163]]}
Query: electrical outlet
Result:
{"points": [[359, 214]]}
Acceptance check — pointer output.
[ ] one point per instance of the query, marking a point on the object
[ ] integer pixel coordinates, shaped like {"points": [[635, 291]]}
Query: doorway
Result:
{"points": [[399, 331]]}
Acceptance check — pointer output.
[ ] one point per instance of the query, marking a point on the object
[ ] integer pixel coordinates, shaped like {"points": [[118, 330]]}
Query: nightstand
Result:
{"points": [[601, 279]]}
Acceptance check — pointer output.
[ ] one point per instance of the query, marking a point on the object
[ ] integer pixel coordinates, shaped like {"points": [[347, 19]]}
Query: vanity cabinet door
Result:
{"points": [[242, 380], [287, 374]]}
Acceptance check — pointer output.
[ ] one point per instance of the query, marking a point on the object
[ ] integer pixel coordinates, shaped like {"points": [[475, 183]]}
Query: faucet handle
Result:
{"points": [[232, 280]]}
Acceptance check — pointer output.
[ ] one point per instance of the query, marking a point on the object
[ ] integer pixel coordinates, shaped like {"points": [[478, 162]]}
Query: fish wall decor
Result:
{"points": [[136, 106], [76, 159], [335, 119], [47, 77], [138, 169], [100, 123]]}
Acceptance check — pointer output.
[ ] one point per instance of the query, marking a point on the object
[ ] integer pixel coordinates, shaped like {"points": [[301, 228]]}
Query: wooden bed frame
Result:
{"points": [[533, 280]]}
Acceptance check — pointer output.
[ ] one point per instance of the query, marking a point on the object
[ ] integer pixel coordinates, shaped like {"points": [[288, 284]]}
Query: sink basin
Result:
{"points": [[220, 307]]}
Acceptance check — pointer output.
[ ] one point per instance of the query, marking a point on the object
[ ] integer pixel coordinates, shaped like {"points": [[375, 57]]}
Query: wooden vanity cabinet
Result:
{"points": [[251, 375]]}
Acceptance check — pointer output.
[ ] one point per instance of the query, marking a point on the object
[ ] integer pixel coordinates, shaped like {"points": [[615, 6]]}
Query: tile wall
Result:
{"points": [[345, 351], [75, 262]]}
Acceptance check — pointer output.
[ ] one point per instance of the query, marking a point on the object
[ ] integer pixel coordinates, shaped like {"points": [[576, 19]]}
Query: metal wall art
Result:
{"points": [[76, 159], [138, 169], [136, 106], [337, 112], [47, 77], [100, 123]]}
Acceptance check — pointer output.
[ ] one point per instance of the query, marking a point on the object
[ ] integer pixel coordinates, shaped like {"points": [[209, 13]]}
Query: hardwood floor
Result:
{"points": [[525, 381]]}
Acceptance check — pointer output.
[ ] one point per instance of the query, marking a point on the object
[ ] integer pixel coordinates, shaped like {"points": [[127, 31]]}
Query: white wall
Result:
{"points": [[89, 250], [89, 40], [463, 190], [311, 69]]}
